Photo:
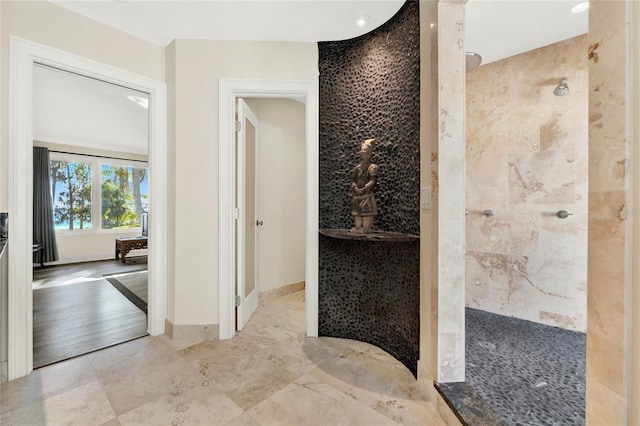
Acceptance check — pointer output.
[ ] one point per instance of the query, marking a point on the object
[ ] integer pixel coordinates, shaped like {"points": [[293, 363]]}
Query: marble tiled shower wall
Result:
{"points": [[527, 158]]}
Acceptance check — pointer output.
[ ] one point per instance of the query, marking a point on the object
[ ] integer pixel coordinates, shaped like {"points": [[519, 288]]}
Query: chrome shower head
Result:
{"points": [[562, 88], [472, 61]]}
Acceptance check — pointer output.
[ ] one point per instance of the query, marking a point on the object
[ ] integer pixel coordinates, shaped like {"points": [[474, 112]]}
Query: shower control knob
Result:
{"points": [[563, 214]]}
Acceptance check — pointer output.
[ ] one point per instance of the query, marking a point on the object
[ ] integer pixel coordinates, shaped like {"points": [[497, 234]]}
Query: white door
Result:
{"points": [[248, 220]]}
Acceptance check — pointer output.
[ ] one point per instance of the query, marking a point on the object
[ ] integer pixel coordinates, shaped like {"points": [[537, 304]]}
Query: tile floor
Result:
{"points": [[520, 373], [269, 374]]}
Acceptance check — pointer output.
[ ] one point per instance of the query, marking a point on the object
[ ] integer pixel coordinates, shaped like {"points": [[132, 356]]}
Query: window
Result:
{"points": [[71, 194], [124, 196], [90, 194]]}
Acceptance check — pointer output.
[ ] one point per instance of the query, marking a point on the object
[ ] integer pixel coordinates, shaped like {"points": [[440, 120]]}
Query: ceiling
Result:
{"points": [[70, 109], [81, 111], [495, 28]]}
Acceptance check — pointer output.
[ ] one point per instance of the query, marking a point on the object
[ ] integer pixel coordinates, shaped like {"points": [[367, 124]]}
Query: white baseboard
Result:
{"points": [[267, 295]]}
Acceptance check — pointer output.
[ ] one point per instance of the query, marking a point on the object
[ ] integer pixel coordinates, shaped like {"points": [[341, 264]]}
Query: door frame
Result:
{"points": [[229, 91], [23, 54]]}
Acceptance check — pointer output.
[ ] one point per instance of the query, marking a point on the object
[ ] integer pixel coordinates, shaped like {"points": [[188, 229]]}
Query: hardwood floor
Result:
{"points": [[77, 311], [77, 272]]}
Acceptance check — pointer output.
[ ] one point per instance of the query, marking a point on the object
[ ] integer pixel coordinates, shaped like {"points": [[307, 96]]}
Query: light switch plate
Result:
{"points": [[425, 198]]}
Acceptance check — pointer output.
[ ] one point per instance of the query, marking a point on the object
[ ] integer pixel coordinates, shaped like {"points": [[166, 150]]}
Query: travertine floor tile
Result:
{"points": [[83, 405], [269, 374], [44, 383], [309, 402], [164, 375], [200, 404], [243, 420], [246, 372]]}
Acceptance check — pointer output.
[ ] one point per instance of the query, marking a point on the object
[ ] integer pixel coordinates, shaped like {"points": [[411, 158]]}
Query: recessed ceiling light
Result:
{"points": [[362, 20], [580, 7]]}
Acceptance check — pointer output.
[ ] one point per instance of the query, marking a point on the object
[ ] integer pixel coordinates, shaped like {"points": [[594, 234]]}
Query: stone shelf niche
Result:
{"points": [[369, 284], [346, 234]]}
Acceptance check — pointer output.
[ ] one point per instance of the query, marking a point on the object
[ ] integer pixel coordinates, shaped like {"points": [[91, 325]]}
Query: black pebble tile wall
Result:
{"points": [[369, 291], [369, 87]]}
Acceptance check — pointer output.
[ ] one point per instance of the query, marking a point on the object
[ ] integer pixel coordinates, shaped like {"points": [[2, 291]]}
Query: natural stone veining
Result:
{"points": [[526, 160]]}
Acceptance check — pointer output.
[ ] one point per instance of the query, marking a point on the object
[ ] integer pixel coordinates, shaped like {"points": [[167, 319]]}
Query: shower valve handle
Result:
{"points": [[563, 214]]}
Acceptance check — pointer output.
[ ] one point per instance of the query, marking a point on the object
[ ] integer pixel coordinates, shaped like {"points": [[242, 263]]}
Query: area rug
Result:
{"points": [[75, 319], [133, 285]]}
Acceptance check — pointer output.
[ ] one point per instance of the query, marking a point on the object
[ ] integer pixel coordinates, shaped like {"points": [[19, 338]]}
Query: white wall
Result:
{"points": [[281, 191], [199, 65]]}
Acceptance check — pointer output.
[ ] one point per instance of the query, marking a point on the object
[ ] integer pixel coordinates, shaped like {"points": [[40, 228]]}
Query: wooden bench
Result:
{"points": [[125, 244]]}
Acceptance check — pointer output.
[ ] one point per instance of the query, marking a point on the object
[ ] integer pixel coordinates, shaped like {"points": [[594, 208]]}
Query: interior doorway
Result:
{"points": [[24, 56], [271, 188], [230, 91], [91, 184]]}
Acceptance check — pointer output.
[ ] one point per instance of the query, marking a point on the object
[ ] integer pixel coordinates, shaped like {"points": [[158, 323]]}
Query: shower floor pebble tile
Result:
{"points": [[527, 373]]}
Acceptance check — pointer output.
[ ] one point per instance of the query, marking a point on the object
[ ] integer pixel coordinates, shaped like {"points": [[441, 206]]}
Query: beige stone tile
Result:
{"points": [[112, 422], [375, 378], [45, 382], [147, 381], [604, 407], [543, 177], [123, 361], [606, 326], [488, 278], [243, 419], [82, 405], [285, 313], [244, 371], [201, 403], [266, 335], [313, 403], [607, 103]]}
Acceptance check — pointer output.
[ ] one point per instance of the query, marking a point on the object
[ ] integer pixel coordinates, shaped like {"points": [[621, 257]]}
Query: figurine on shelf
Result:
{"points": [[365, 176]]}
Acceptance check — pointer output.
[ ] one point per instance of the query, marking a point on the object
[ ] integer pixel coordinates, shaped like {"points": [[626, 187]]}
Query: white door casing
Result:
{"points": [[229, 91], [23, 55], [248, 208]]}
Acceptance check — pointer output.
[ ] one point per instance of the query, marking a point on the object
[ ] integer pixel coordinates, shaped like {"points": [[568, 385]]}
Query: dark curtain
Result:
{"points": [[43, 227]]}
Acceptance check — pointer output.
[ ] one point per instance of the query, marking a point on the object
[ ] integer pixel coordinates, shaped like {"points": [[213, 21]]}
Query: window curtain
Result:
{"points": [[43, 228]]}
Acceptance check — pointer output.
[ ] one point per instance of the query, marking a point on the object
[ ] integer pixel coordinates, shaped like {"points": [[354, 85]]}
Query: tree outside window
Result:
{"points": [[116, 193], [125, 196], [71, 194]]}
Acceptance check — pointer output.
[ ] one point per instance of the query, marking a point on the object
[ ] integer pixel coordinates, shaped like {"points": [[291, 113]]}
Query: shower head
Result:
{"points": [[472, 61], [562, 88]]}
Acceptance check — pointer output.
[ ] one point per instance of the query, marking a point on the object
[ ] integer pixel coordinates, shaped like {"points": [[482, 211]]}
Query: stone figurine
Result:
{"points": [[365, 176]]}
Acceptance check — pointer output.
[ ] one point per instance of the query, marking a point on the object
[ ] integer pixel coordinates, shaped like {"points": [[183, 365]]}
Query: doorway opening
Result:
{"points": [[271, 187], [24, 57], [230, 92], [91, 188]]}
